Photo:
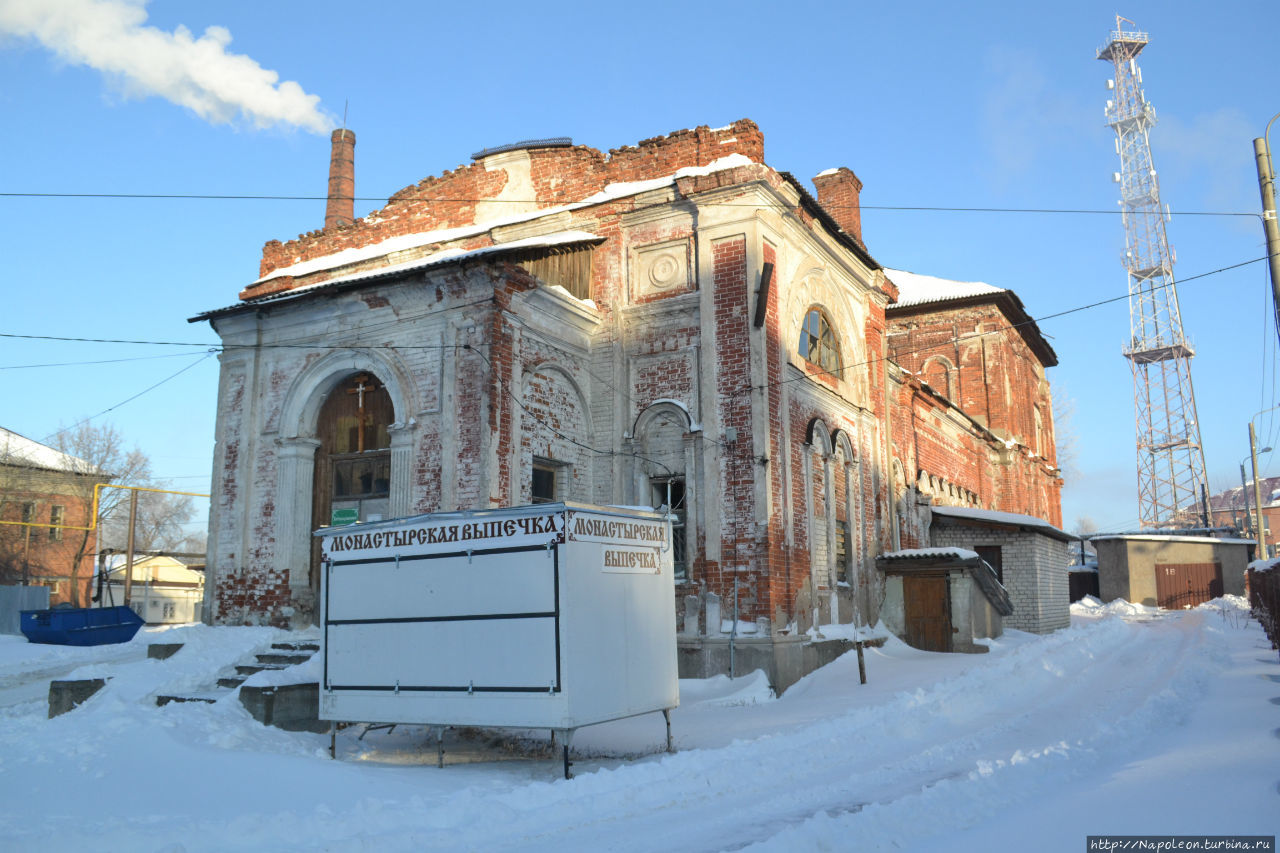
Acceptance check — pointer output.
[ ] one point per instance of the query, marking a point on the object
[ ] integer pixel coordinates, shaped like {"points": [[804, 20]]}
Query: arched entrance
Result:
{"points": [[352, 480]]}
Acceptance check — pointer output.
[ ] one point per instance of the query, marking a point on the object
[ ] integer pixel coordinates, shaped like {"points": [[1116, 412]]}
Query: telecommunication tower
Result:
{"points": [[1171, 469]]}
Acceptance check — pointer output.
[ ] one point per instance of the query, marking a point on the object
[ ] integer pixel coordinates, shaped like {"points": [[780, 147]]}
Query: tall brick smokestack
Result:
{"points": [[341, 207], [838, 192]]}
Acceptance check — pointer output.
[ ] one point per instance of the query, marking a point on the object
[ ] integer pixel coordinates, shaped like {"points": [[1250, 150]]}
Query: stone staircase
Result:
{"points": [[280, 655]]}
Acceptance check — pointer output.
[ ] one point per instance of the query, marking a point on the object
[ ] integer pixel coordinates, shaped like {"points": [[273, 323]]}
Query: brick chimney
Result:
{"points": [[341, 207], [838, 191]]}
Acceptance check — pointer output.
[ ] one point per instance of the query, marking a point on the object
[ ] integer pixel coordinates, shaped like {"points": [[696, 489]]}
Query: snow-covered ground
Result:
{"points": [[1131, 722]]}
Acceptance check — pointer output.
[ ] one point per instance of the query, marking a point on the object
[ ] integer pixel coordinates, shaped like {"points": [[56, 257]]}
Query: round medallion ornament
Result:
{"points": [[664, 272]]}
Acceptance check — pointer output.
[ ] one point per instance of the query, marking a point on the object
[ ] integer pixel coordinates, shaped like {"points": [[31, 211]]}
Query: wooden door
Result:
{"points": [[927, 603], [1181, 585]]}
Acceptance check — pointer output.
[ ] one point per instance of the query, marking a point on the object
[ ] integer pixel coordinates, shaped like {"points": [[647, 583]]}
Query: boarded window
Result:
{"points": [[567, 268], [844, 571], [57, 517]]}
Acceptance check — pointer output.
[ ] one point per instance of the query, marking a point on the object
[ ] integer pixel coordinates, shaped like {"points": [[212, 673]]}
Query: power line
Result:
{"points": [[468, 200], [1029, 321], [52, 435], [88, 363], [213, 349]]}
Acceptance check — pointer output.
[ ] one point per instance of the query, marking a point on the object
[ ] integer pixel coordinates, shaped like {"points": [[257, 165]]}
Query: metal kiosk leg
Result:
{"points": [[666, 715], [567, 737], [439, 746]]}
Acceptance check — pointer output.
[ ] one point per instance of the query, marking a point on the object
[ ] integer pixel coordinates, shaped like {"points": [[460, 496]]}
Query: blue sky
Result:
{"points": [[989, 105]]}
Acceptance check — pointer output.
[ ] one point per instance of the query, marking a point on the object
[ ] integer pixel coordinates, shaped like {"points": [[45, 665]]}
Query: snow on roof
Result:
{"points": [[426, 238], [916, 289], [1173, 537], [998, 517], [449, 256], [930, 553], [23, 452]]}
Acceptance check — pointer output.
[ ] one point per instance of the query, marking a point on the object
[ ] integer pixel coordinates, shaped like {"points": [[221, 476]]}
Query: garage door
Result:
{"points": [[1182, 585]]}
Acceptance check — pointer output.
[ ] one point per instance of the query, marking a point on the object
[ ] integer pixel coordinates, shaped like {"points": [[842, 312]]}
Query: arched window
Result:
{"points": [[353, 465], [818, 341], [938, 372]]}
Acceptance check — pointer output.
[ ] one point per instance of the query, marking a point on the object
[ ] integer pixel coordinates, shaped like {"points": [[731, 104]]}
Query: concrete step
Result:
{"points": [[161, 651], [163, 700], [232, 681], [281, 658], [303, 646], [251, 668]]}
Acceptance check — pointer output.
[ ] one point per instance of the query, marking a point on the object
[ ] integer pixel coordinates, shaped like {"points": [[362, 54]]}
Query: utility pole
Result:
{"points": [[1257, 495], [1244, 490], [1267, 187], [128, 559]]}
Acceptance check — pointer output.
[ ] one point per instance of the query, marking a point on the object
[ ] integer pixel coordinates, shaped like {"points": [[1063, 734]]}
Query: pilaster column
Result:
{"points": [[401, 498], [295, 470]]}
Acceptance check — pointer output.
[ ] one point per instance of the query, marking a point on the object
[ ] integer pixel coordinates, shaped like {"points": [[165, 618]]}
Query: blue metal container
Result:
{"points": [[85, 626]]}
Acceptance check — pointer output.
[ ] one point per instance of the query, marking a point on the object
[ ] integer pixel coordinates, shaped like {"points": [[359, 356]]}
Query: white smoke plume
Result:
{"points": [[197, 73]]}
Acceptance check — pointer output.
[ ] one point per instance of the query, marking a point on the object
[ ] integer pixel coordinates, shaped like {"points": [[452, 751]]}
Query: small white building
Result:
{"points": [[164, 591]]}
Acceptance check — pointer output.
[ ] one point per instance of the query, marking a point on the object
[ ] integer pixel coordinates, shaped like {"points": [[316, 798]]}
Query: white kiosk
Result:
{"points": [[551, 616]]}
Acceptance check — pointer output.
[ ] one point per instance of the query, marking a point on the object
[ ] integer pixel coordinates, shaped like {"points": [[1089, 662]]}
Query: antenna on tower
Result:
{"points": [[1171, 468]]}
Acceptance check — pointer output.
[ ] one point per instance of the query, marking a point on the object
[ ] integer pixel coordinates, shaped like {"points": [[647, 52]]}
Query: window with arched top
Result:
{"points": [[938, 373], [818, 341]]}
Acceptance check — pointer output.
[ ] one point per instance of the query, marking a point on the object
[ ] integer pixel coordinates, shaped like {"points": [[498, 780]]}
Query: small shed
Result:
{"points": [[164, 590], [1168, 570], [942, 599], [1029, 555]]}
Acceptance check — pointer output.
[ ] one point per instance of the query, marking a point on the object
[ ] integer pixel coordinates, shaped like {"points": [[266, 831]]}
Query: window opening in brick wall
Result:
{"points": [[57, 516], [844, 572], [991, 553], [669, 493], [28, 512], [818, 341], [546, 486]]}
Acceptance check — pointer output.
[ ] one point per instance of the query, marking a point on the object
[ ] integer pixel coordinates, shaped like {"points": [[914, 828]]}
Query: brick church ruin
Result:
{"points": [[673, 323]]}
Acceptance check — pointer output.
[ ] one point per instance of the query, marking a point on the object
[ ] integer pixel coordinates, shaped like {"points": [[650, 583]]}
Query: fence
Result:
{"points": [[1264, 601], [14, 599]]}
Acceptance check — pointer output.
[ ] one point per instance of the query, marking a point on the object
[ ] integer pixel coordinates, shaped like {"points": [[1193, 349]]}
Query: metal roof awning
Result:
{"points": [[562, 239]]}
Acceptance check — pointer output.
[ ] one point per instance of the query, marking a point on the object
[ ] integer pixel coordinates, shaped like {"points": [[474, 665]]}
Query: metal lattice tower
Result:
{"points": [[1171, 469]]}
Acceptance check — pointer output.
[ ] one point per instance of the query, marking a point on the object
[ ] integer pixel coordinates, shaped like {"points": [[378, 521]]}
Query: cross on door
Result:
{"points": [[361, 418]]}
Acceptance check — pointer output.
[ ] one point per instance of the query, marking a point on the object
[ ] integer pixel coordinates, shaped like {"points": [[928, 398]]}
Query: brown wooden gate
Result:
{"points": [[1180, 585], [927, 604]]}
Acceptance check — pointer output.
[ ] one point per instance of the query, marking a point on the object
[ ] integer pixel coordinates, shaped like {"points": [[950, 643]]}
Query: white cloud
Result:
{"points": [[197, 73], [1024, 118]]}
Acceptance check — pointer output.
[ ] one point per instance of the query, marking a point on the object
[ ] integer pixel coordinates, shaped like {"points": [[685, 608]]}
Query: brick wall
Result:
{"points": [[1035, 572], [558, 175]]}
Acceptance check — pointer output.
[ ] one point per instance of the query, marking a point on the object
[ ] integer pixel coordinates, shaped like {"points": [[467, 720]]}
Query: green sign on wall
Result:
{"points": [[343, 517]]}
